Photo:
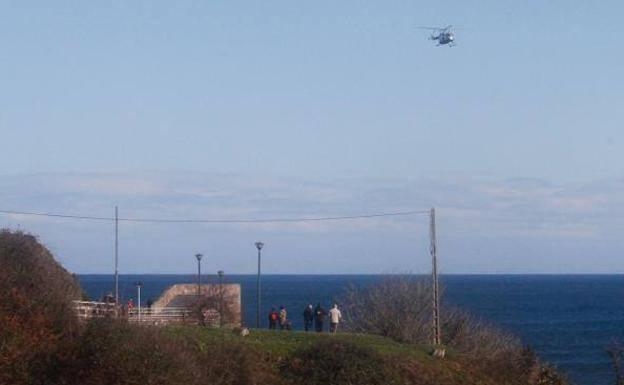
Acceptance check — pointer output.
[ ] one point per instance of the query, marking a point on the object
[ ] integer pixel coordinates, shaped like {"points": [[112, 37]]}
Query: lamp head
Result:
{"points": [[198, 256], [259, 245]]}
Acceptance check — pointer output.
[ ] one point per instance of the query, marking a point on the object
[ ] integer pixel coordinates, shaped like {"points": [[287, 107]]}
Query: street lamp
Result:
{"points": [[220, 273], [138, 285], [259, 246], [199, 257]]}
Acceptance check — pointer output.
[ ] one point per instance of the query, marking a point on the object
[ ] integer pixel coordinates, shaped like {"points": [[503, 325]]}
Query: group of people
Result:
{"points": [[312, 316]]}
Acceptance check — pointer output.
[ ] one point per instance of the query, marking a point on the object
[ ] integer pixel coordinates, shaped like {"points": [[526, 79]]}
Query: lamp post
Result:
{"points": [[138, 285], [220, 273], [199, 257], [259, 246]]}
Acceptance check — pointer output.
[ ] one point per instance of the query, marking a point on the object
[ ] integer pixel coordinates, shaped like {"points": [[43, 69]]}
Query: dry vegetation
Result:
{"points": [[400, 308], [36, 319], [217, 307], [616, 354]]}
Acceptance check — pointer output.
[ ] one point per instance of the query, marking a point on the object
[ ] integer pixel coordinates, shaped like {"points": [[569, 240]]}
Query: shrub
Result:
{"points": [[547, 375], [401, 307], [616, 354], [398, 307], [337, 362], [36, 316], [115, 352], [234, 363], [472, 335], [216, 307]]}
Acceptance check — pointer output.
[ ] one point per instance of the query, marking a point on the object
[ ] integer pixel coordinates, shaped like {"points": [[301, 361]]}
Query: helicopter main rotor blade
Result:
{"points": [[429, 28]]}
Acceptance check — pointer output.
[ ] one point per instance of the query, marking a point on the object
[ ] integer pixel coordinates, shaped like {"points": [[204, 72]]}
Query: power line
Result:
{"points": [[271, 220], [65, 216]]}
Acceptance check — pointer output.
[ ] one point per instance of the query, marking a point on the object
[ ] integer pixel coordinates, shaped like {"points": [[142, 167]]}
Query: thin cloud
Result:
{"points": [[471, 212]]}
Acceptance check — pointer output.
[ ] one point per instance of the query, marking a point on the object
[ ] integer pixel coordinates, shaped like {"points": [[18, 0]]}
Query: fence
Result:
{"points": [[162, 315], [86, 310]]}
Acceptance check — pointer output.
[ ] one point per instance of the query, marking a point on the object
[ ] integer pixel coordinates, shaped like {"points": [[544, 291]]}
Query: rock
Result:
{"points": [[438, 353], [243, 332]]}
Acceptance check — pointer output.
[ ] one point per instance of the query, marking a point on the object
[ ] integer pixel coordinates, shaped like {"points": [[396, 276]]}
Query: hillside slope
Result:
{"points": [[36, 318], [311, 358]]}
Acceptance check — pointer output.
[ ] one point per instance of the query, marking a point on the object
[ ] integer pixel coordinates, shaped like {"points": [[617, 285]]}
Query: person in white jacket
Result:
{"points": [[334, 319]]}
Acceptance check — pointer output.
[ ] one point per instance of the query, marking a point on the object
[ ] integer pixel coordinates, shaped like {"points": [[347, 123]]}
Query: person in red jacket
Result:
{"points": [[273, 318]]}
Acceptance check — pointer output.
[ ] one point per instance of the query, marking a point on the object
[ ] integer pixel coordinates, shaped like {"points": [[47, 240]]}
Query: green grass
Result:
{"points": [[282, 343], [275, 346]]}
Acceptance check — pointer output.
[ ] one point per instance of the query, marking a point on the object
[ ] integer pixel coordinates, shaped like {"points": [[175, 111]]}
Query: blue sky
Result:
{"points": [[259, 101]]}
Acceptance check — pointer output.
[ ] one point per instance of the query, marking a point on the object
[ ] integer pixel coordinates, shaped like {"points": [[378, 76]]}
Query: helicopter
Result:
{"points": [[444, 36]]}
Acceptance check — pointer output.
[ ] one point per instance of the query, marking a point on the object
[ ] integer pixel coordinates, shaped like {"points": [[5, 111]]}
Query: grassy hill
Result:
{"points": [[279, 344], [401, 363]]}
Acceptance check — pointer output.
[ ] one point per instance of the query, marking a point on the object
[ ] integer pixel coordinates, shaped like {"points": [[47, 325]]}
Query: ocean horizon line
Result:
{"points": [[362, 274]]}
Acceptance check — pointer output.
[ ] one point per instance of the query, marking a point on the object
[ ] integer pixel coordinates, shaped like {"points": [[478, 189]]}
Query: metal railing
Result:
{"points": [[148, 316], [161, 315], [89, 309]]}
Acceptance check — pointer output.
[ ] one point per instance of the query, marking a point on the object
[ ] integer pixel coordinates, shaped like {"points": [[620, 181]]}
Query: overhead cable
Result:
{"points": [[256, 220]]}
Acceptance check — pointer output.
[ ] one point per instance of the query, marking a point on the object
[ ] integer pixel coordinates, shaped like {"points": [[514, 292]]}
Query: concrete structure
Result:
{"points": [[220, 304], [217, 305]]}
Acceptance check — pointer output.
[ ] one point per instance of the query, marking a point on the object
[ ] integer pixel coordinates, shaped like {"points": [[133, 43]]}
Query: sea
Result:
{"points": [[569, 320]]}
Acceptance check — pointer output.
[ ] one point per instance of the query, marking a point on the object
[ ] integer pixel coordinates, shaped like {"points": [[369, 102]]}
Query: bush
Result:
{"points": [[486, 347], [234, 363], [115, 352], [398, 307], [337, 362], [37, 321], [616, 354], [222, 306], [547, 375], [401, 308]]}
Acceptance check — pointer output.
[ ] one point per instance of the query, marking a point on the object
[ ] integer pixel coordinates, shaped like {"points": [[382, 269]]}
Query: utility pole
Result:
{"points": [[116, 256], [437, 338]]}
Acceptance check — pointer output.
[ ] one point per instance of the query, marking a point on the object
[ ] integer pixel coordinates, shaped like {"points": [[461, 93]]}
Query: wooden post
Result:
{"points": [[437, 338], [116, 256]]}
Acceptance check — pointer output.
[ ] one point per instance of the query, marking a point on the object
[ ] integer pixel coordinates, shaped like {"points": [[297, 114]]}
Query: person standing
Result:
{"points": [[319, 317], [334, 318], [283, 318], [108, 298], [308, 317], [273, 318]]}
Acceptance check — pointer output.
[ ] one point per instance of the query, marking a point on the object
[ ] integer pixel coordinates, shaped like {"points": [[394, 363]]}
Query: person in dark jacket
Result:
{"points": [[308, 317], [319, 317]]}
